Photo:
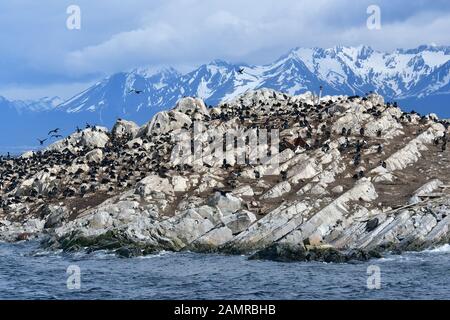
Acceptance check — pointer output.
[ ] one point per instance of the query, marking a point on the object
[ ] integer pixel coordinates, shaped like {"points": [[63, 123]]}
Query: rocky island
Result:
{"points": [[354, 177]]}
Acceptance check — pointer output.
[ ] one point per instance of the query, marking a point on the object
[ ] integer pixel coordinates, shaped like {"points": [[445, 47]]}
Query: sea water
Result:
{"points": [[28, 272]]}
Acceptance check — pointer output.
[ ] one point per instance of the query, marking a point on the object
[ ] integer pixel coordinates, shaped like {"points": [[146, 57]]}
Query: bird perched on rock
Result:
{"points": [[372, 224], [361, 174], [380, 149], [222, 192], [325, 147]]}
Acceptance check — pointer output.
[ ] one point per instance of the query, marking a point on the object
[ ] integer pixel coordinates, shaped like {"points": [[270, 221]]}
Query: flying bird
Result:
{"points": [[135, 91], [240, 71], [41, 142], [55, 131]]}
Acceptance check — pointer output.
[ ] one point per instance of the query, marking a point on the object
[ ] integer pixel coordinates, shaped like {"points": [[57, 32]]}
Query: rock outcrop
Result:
{"points": [[351, 178], [124, 128]]}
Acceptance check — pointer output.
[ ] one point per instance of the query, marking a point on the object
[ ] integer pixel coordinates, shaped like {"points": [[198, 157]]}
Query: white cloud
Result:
{"points": [[415, 31], [123, 50], [190, 32]]}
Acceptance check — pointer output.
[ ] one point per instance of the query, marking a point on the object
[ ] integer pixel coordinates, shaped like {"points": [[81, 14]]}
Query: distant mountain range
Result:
{"points": [[417, 78], [25, 106]]}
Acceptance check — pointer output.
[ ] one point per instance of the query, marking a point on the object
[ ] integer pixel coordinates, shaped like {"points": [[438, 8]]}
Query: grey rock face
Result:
{"points": [[55, 216], [227, 204], [124, 128], [239, 221]]}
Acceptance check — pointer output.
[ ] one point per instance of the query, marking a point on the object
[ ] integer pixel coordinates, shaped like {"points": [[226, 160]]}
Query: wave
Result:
{"points": [[442, 249], [155, 255], [45, 253]]}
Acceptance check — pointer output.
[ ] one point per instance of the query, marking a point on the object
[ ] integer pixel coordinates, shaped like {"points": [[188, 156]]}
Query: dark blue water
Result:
{"points": [[29, 273]]}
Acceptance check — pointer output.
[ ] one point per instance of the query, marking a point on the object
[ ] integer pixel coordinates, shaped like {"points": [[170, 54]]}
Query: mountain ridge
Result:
{"points": [[340, 69], [418, 79]]}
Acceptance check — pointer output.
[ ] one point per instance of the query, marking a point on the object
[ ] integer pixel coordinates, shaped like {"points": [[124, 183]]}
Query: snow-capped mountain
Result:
{"points": [[402, 74], [417, 78], [24, 106]]}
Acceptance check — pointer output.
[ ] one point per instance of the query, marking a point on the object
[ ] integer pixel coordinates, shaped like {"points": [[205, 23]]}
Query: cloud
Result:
{"points": [[415, 31], [115, 36], [124, 49], [189, 32]]}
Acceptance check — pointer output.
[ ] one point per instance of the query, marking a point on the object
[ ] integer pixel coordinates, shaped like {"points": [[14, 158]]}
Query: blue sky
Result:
{"points": [[39, 56]]}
